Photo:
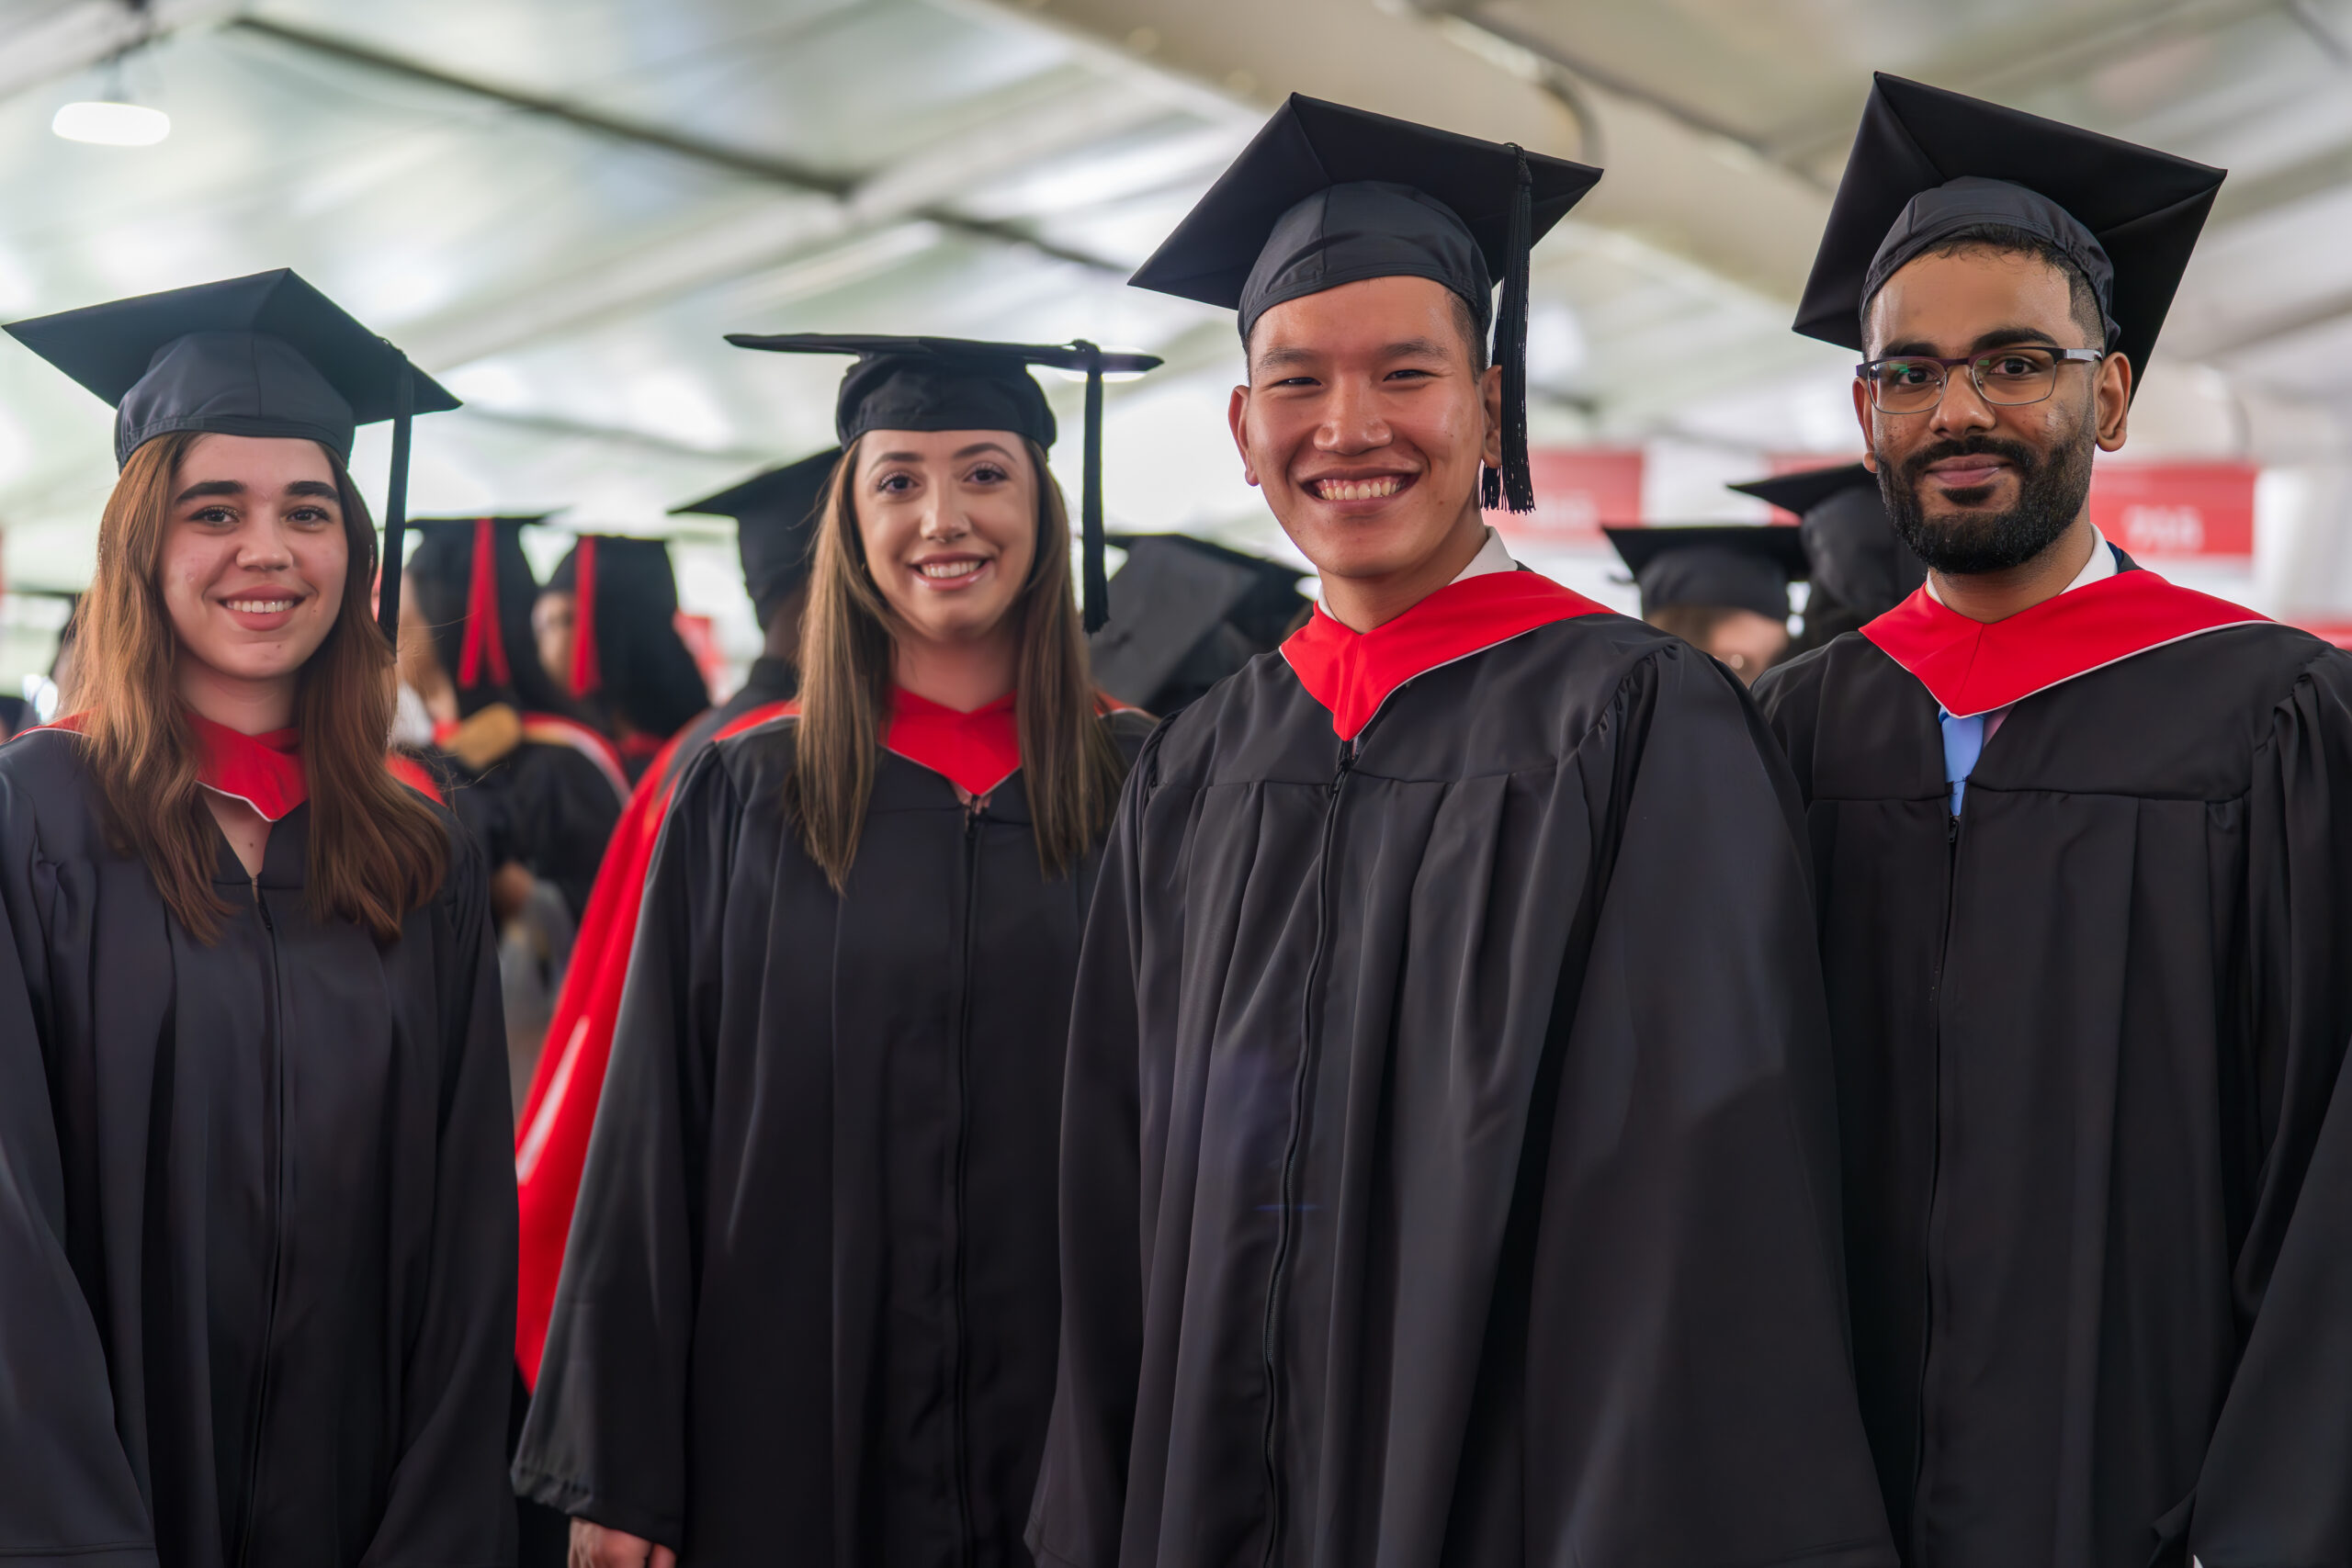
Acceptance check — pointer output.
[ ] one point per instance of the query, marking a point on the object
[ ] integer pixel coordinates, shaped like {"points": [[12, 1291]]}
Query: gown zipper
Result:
{"points": [[1935, 1173], [959, 1410], [1301, 1091], [277, 1047]]}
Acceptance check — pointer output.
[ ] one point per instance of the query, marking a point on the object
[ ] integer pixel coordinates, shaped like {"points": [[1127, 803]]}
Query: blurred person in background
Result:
{"points": [[1725, 590], [1187, 613], [256, 1224], [607, 628], [2084, 850], [775, 514], [538, 787], [807, 1307], [1446, 1175], [1858, 565]]}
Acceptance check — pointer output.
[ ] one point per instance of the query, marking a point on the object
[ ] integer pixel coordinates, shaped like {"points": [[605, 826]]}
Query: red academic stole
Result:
{"points": [[262, 771], [1351, 673], [551, 1146], [976, 751], [1974, 667]]}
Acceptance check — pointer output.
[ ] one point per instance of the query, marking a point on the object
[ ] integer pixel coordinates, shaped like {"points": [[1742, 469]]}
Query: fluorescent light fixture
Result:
{"points": [[112, 124]]}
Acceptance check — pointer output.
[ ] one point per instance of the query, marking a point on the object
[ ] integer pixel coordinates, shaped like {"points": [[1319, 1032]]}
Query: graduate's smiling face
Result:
{"points": [[1977, 486], [1366, 421], [254, 557], [949, 522]]}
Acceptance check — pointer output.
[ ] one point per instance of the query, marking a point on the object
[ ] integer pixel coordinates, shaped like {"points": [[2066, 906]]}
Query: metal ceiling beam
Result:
{"points": [[93, 32], [741, 160]]}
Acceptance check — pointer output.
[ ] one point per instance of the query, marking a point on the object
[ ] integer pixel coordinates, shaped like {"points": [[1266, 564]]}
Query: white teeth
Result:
{"points": [[944, 569], [1358, 489], [261, 606]]}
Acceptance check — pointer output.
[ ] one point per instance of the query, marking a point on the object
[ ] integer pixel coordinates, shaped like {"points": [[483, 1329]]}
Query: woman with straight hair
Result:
{"points": [[256, 1217], [809, 1308]]}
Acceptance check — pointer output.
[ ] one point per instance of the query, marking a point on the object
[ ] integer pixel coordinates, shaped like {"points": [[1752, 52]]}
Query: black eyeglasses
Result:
{"points": [[1914, 383]]}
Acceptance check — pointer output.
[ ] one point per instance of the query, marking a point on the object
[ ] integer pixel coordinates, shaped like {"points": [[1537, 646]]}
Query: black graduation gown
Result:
{"points": [[256, 1213], [1447, 1168], [807, 1306], [2085, 1039], [545, 808]]}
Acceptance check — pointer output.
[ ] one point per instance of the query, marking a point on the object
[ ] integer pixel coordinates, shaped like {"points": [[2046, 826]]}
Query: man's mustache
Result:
{"points": [[2017, 452]]}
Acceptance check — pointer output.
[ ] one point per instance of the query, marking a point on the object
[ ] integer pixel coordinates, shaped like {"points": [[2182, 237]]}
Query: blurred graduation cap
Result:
{"points": [[1860, 566], [266, 356], [1737, 566], [775, 524], [1928, 163], [1325, 195], [626, 650], [475, 589], [1186, 614], [947, 383]]}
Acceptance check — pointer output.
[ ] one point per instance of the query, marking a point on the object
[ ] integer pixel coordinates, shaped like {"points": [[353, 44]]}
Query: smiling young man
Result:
{"points": [[1446, 1172], [2086, 887]]}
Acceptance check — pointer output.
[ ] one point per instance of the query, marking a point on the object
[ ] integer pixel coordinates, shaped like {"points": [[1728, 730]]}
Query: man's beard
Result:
{"points": [[2052, 488]]}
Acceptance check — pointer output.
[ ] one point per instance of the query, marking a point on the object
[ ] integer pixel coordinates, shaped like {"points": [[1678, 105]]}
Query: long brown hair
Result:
{"points": [[376, 850], [1070, 768]]}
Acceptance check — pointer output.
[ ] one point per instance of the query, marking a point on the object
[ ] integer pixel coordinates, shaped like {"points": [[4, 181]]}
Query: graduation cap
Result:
{"points": [[1927, 163], [1735, 565], [266, 355], [947, 383], [625, 643], [1325, 195], [475, 590], [1858, 562], [775, 524], [1186, 614]]}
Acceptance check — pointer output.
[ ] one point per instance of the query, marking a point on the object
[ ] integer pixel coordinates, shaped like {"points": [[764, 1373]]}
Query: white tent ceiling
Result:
{"points": [[559, 207]]}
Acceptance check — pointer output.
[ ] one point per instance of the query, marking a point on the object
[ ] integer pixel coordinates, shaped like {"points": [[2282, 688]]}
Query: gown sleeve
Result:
{"points": [[1082, 1480], [69, 1494], [2276, 1488], [448, 1497], [560, 824], [606, 1436]]}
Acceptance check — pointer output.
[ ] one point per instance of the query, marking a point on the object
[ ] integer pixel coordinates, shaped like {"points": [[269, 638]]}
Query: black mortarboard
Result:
{"points": [[1186, 614], [261, 356], [775, 524], [1927, 163], [1857, 559], [625, 650], [947, 383], [475, 590], [1325, 195], [1735, 565]]}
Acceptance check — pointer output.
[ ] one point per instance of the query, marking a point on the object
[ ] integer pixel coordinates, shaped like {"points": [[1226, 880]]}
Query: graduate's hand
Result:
{"points": [[594, 1546], [510, 889]]}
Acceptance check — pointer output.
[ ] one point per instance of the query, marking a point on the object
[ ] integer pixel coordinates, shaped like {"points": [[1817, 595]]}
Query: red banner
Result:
{"points": [[1578, 489], [2171, 511]]}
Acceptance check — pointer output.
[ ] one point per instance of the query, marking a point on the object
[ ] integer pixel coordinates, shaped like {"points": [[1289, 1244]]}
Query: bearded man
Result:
{"points": [[2083, 866]]}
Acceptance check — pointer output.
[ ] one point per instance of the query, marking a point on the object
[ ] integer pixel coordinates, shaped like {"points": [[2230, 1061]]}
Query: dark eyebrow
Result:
{"points": [[208, 486], [1998, 337], [1405, 348], [319, 487], [977, 448]]}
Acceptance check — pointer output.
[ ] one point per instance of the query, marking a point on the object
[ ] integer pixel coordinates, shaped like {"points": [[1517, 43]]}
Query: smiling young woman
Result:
{"points": [[809, 1294], [256, 1213]]}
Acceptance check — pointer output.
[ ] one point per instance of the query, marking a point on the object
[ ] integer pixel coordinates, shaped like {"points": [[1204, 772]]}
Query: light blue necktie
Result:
{"points": [[1963, 743]]}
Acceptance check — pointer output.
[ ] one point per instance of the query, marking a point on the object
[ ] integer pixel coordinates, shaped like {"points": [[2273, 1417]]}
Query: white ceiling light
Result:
{"points": [[110, 124]]}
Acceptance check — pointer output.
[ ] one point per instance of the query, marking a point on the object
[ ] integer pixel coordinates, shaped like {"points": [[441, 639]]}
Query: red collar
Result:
{"points": [[262, 771], [975, 750], [1351, 673], [1974, 667]]}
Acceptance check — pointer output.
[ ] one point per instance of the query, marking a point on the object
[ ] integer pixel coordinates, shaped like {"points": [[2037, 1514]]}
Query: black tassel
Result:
{"points": [[388, 582], [1094, 588], [1515, 485]]}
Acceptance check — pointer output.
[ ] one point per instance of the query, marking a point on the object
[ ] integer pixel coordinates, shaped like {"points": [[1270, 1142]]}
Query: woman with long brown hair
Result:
{"points": [[257, 1218], [808, 1311]]}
